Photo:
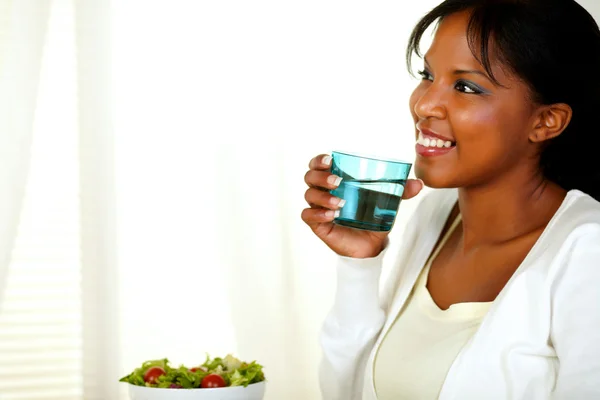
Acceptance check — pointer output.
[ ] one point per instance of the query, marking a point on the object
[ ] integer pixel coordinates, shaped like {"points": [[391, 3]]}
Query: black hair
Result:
{"points": [[554, 47]]}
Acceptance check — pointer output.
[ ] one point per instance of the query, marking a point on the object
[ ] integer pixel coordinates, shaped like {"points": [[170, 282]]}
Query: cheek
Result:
{"points": [[488, 129], [475, 127], [490, 140]]}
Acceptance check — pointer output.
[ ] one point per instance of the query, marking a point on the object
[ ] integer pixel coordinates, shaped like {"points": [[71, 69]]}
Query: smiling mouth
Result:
{"points": [[432, 142]]}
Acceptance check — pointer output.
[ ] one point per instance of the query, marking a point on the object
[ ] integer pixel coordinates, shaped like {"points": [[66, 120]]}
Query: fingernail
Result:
{"points": [[332, 213], [336, 201], [334, 180], [422, 183], [326, 160]]}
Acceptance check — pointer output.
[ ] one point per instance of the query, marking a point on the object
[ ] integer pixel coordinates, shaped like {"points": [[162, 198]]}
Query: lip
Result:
{"points": [[427, 132]]}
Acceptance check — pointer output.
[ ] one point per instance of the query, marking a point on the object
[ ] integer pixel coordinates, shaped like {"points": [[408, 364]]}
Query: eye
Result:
{"points": [[467, 87], [425, 75]]}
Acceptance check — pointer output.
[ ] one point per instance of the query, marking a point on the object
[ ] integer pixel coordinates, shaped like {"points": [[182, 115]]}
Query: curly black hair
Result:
{"points": [[554, 47]]}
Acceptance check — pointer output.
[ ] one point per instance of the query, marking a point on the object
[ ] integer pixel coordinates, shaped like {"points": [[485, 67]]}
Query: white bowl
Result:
{"points": [[256, 391]]}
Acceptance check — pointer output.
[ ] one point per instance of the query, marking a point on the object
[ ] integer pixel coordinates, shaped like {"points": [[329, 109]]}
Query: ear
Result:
{"points": [[551, 121]]}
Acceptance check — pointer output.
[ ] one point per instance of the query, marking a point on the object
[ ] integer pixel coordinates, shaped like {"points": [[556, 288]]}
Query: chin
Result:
{"points": [[435, 179]]}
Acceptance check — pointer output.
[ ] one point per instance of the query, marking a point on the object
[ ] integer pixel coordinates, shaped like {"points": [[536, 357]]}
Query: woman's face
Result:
{"points": [[470, 131]]}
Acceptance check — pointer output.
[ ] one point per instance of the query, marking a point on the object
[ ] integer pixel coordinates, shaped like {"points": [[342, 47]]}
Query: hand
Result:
{"points": [[319, 217]]}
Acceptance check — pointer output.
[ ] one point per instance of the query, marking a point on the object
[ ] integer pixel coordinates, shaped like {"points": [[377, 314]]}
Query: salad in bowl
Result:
{"points": [[225, 378]]}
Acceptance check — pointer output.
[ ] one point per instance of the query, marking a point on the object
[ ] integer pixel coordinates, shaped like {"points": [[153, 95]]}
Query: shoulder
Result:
{"points": [[578, 219], [575, 239], [582, 206]]}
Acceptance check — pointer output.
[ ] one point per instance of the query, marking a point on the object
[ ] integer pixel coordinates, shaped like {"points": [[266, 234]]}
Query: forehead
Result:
{"points": [[450, 48], [451, 38]]}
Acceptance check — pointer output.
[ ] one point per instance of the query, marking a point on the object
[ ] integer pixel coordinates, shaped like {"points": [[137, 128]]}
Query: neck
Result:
{"points": [[507, 209]]}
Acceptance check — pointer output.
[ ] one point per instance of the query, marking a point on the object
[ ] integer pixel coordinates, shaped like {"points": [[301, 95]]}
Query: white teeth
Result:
{"points": [[432, 142]]}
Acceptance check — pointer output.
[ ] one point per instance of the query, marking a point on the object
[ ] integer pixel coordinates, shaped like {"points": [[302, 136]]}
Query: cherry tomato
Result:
{"points": [[213, 381], [198, 369], [151, 376]]}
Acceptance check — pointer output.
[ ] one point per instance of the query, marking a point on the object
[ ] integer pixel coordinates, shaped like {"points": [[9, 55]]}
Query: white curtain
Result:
{"points": [[22, 32], [100, 303]]}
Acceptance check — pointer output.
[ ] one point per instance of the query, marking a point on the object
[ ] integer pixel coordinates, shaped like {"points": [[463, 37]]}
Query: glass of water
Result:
{"points": [[372, 189]]}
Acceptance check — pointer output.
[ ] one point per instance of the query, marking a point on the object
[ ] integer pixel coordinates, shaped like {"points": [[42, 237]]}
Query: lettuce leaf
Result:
{"points": [[247, 374]]}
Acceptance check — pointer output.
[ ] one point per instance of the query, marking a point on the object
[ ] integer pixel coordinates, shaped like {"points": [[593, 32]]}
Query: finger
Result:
{"points": [[321, 162], [412, 188], [314, 216], [322, 179], [320, 199]]}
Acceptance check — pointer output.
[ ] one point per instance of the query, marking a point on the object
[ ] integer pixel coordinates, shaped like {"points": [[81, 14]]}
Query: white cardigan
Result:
{"points": [[539, 340]]}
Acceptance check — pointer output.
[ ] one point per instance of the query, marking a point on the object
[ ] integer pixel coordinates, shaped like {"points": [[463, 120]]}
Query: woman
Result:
{"points": [[494, 293]]}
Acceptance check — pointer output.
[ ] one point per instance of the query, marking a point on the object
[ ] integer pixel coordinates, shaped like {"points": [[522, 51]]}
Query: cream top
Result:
{"points": [[421, 345]]}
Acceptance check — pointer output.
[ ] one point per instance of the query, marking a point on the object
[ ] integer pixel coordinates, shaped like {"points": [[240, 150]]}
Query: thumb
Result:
{"points": [[412, 188]]}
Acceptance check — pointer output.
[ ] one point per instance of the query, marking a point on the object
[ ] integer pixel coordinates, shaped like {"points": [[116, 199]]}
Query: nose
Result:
{"points": [[430, 102]]}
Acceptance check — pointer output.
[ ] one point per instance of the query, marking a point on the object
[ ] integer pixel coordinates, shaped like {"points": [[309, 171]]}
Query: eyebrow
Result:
{"points": [[465, 71]]}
